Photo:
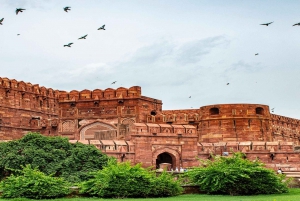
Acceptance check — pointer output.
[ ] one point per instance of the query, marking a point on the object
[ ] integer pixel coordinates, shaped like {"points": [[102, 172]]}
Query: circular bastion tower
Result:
{"points": [[234, 122]]}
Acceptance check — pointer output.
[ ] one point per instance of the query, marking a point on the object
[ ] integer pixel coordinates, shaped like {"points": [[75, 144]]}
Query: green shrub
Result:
{"points": [[164, 185], [52, 155], [31, 183], [236, 176], [119, 180]]}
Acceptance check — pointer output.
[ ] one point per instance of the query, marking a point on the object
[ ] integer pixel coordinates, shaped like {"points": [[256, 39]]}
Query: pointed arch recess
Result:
{"points": [[172, 152], [93, 124]]}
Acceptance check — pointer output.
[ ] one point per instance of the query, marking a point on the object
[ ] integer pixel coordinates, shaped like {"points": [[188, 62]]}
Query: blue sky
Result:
{"points": [[172, 49]]}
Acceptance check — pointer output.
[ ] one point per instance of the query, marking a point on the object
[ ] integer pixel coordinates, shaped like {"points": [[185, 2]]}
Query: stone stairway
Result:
{"points": [[293, 174], [290, 169]]}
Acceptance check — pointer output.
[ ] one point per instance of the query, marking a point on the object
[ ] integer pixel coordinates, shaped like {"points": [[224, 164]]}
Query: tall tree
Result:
{"points": [[51, 155]]}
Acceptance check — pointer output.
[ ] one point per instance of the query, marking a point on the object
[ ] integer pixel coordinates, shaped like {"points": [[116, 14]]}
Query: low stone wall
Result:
{"points": [[191, 189]]}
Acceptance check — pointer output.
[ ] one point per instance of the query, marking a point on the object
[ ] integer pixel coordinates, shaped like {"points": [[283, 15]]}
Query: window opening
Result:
{"points": [[259, 111], [214, 111]]}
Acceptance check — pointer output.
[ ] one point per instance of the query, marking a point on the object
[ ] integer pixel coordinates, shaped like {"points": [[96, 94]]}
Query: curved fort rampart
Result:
{"points": [[234, 122]]}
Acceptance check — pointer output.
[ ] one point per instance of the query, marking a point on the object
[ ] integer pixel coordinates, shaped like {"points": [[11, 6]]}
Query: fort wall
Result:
{"points": [[153, 140], [26, 107], [285, 128], [274, 154], [129, 126], [120, 108], [234, 122]]}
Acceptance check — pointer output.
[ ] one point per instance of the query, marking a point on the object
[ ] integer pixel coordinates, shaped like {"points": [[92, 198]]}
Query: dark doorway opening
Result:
{"points": [[165, 158]]}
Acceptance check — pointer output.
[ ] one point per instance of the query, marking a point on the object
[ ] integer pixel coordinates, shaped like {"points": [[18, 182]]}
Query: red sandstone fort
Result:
{"points": [[129, 126]]}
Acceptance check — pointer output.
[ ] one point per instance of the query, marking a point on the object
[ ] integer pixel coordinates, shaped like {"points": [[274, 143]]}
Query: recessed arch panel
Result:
{"points": [[98, 130]]}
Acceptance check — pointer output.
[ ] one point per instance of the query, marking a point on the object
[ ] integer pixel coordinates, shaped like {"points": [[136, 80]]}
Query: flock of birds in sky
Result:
{"points": [[82, 37], [256, 54], [66, 9], [267, 24]]}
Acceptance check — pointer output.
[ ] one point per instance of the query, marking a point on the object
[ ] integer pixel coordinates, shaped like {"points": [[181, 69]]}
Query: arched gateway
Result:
{"points": [[166, 155]]}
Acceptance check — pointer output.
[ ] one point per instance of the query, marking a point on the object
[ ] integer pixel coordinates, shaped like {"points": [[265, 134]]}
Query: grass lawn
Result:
{"points": [[293, 195]]}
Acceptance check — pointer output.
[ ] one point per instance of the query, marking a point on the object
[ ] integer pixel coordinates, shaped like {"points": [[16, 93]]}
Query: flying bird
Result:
{"points": [[272, 110], [67, 8], [1, 21], [267, 24], [102, 28], [190, 96], [19, 10], [114, 82], [256, 54], [18, 34], [297, 24], [68, 45], [227, 83], [83, 37]]}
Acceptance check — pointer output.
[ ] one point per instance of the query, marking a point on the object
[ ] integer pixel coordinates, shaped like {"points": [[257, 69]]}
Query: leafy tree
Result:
{"points": [[31, 183], [82, 160], [237, 176], [51, 155], [119, 180]]}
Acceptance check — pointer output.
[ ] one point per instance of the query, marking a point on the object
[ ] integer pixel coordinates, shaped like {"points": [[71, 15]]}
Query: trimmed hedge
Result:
{"points": [[121, 180]]}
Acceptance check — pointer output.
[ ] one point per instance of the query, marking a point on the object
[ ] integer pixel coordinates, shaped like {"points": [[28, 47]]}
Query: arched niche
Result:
{"points": [[98, 130]]}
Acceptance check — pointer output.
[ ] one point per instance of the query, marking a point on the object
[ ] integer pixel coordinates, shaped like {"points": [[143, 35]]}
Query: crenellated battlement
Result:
{"points": [[99, 94], [27, 107], [21, 95], [285, 128], [241, 110], [286, 120], [7, 86]]}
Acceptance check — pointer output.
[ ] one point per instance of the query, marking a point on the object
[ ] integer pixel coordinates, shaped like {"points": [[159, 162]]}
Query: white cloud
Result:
{"points": [[168, 63], [91, 70], [41, 4]]}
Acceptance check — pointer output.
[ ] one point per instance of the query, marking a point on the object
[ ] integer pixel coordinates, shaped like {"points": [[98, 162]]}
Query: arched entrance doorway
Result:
{"points": [[163, 154], [165, 157]]}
